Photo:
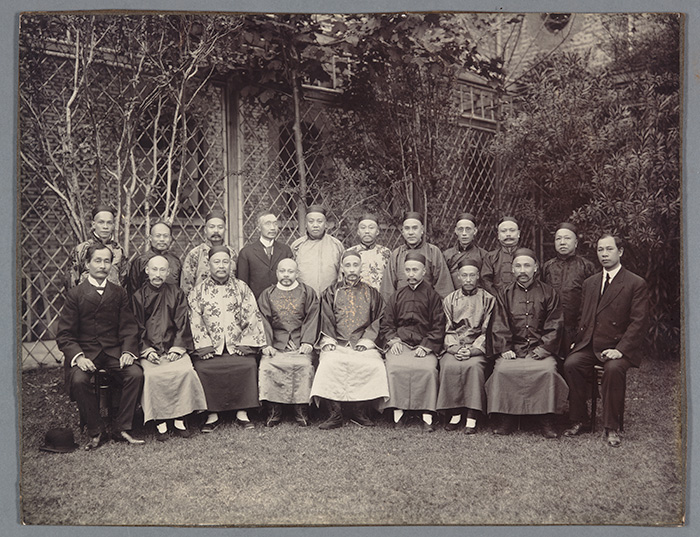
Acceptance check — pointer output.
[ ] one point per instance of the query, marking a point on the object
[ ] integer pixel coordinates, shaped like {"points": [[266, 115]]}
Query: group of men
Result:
{"points": [[415, 330]]}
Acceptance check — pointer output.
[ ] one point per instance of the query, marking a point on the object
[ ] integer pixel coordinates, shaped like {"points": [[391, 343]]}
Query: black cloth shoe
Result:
{"points": [[507, 425], [613, 438], [301, 415], [210, 427], [470, 430], [245, 424], [124, 436], [547, 427], [452, 426], [359, 415], [182, 433], [162, 437], [275, 416], [427, 427], [335, 419]]}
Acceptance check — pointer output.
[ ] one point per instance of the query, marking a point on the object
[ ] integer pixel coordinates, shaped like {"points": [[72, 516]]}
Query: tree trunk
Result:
{"points": [[299, 151]]}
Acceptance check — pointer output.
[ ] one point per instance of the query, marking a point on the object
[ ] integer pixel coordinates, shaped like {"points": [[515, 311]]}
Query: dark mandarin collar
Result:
{"points": [[460, 248], [152, 288], [566, 259], [109, 241], [532, 283], [347, 285], [416, 287], [417, 246], [469, 293], [164, 253], [370, 247], [509, 249]]}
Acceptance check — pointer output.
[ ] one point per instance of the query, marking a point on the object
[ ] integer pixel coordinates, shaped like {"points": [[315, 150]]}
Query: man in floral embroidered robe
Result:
{"points": [[195, 267], [374, 256], [171, 388], [350, 368], [463, 366], [290, 312], [227, 331]]}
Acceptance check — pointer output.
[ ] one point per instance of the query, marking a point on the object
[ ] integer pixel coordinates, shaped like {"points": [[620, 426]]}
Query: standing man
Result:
{"points": [[466, 248], [101, 229], [318, 253], [227, 331], [374, 256], [350, 368], [526, 334], [195, 268], [413, 328], [257, 261], [612, 333], [566, 273], [463, 366], [290, 313], [160, 238], [171, 387], [97, 330], [436, 272], [497, 271]]}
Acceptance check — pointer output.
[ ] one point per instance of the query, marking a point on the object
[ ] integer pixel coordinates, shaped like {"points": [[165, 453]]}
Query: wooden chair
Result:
{"points": [[594, 398]]}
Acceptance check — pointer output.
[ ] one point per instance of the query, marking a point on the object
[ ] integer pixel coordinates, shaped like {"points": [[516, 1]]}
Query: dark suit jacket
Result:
{"points": [[255, 269], [619, 321], [92, 323]]}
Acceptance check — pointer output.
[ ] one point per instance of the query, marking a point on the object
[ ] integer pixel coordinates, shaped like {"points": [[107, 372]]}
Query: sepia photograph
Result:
{"points": [[350, 269]]}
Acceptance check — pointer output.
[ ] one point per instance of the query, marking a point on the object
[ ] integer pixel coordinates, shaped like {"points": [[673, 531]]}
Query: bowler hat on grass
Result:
{"points": [[59, 440]]}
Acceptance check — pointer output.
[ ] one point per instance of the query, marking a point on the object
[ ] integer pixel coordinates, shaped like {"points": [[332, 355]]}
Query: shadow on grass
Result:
{"points": [[289, 475]]}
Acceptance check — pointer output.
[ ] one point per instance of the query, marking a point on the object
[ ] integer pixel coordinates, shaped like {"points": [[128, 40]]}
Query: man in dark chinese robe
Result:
{"points": [[257, 261], [526, 335], [159, 238], [463, 366], [413, 328], [566, 273], [227, 331], [466, 248], [290, 313], [350, 368], [497, 271], [171, 387], [436, 272]]}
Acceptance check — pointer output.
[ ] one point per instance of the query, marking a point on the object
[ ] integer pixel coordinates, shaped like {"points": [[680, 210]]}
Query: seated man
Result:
{"points": [[171, 388], [526, 331], [463, 366], [350, 367], [290, 315], [227, 331], [97, 330], [413, 328]]}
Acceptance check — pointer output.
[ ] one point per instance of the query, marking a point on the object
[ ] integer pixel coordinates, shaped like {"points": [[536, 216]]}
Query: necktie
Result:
{"points": [[606, 284], [268, 251]]}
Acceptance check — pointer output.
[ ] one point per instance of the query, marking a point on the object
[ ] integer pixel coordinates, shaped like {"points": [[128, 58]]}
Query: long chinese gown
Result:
{"points": [[318, 260]]}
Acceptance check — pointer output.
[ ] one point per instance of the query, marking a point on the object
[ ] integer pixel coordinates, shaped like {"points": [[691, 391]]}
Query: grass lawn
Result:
{"points": [[294, 476]]}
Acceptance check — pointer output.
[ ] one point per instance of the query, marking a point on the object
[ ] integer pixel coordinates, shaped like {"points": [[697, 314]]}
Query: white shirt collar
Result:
{"points": [[95, 283], [612, 273], [289, 288], [266, 242]]}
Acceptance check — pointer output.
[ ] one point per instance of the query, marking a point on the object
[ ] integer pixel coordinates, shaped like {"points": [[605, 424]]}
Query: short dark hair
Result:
{"points": [[265, 213], [90, 252], [619, 243]]}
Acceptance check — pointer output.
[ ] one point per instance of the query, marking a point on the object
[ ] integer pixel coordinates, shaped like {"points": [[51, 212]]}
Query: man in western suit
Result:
{"points": [[257, 261], [97, 330], [611, 333]]}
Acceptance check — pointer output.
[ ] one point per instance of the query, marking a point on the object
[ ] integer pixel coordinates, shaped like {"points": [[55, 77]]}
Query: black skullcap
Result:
{"points": [[162, 222], [413, 214], [467, 216], [569, 226], [216, 213], [103, 208], [349, 253], [469, 262], [525, 251], [415, 256], [508, 219], [316, 209], [369, 216], [218, 248]]}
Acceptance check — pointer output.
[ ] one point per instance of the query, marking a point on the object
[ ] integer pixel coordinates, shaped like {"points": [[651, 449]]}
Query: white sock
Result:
{"points": [[242, 415], [162, 427], [471, 422], [428, 418], [212, 417], [179, 424], [398, 414], [455, 419]]}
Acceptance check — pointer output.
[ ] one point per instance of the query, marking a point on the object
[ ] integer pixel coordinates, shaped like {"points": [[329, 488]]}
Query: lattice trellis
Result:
{"points": [[46, 237]]}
